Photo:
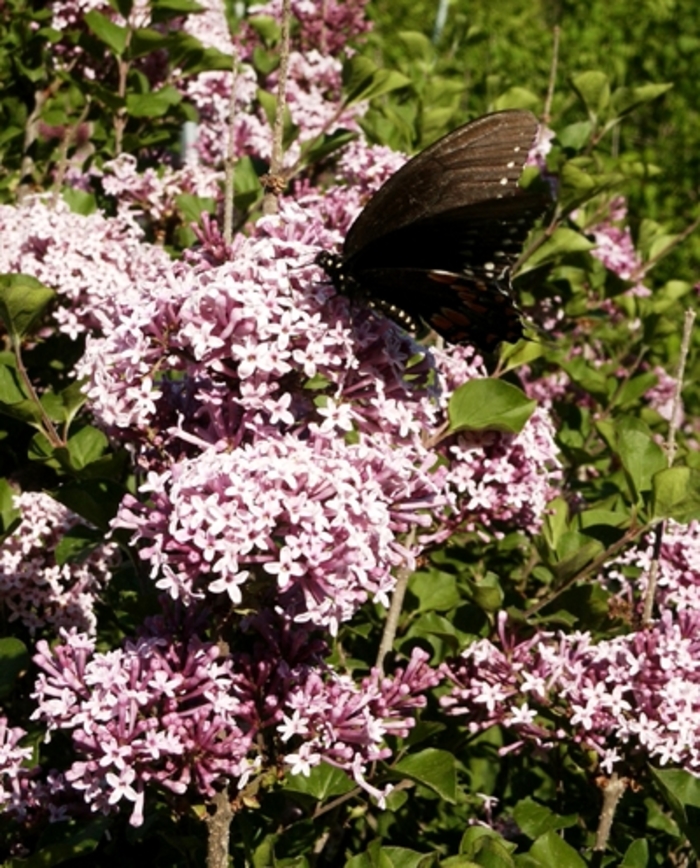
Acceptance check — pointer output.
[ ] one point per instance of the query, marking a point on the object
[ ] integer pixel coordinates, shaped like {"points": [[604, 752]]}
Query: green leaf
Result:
{"points": [[575, 136], [153, 105], [376, 856], [641, 456], [487, 593], [79, 201], [436, 591], [175, 8], [113, 36], [432, 768], [681, 792], [417, 45], [323, 782], [561, 242], [489, 404], [556, 522], [485, 847], [550, 850], [589, 378], [23, 299], [95, 500], [593, 87], [76, 544], [14, 660], [192, 207], [535, 819], [575, 551], [86, 446], [363, 79], [636, 855], [517, 98], [676, 494], [626, 99], [10, 515], [515, 355]]}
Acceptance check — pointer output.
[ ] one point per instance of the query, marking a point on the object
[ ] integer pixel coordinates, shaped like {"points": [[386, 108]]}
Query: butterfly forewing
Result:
{"points": [[478, 162], [438, 240]]}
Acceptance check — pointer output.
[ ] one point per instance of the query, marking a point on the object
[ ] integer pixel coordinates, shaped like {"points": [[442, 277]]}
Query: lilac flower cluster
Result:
{"points": [[152, 714], [678, 577], [180, 718], [259, 476], [615, 246], [320, 519], [15, 779], [92, 262], [632, 698], [36, 590], [313, 86], [344, 723]]}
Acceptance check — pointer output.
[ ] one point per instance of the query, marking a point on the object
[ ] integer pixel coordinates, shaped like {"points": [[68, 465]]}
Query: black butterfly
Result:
{"points": [[437, 242]]}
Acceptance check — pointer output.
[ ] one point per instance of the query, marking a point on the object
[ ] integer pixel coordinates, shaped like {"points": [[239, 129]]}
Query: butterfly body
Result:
{"points": [[437, 242]]}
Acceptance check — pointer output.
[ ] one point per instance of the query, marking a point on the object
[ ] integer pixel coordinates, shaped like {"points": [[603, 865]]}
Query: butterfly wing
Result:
{"points": [[475, 310], [478, 162], [439, 238]]}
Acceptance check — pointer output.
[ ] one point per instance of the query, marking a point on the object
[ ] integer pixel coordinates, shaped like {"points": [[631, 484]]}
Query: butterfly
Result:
{"points": [[437, 242]]}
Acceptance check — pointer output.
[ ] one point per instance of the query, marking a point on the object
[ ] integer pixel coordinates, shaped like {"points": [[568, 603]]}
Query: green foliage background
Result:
{"points": [[484, 49]]}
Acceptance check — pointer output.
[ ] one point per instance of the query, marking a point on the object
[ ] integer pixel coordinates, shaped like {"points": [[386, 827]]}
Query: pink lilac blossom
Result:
{"points": [[93, 262], [154, 714], [631, 699], [14, 773], [180, 717], [344, 724], [678, 577], [249, 335], [243, 439], [313, 94], [661, 397], [615, 247], [154, 193], [320, 519], [36, 590], [327, 26]]}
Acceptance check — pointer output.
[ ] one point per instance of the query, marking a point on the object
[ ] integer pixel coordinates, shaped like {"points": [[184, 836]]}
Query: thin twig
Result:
{"points": [[230, 164], [219, 825], [392, 618], [650, 593], [593, 567], [547, 114], [613, 790], [275, 180]]}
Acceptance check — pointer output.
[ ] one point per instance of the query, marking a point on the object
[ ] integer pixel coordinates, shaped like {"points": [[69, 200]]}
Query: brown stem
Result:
{"points": [[219, 825], [120, 120], [613, 790], [547, 114], [49, 431], [394, 613], [275, 177], [633, 533]]}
